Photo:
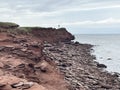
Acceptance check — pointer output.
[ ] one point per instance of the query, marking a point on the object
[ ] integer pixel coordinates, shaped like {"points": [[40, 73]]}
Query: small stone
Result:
{"points": [[31, 65], [21, 66], [47, 45], [109, 59], [101, 65], [23, 85], [24, 49], [15, 85], [27, 85], [43, 66]]}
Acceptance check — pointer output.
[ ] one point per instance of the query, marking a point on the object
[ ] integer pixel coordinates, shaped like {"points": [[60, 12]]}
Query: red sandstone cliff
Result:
{"points": [[52, 34], [22, 63]]}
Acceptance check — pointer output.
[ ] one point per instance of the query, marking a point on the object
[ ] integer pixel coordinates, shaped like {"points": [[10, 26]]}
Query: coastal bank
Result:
{"points": [[36, 58]]}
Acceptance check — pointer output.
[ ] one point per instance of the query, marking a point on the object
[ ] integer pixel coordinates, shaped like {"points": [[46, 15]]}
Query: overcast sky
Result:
{"points": [[78, 16]]}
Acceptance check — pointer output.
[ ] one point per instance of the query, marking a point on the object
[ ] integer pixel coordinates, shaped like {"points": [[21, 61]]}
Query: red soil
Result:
{"points": [[21, 59]]}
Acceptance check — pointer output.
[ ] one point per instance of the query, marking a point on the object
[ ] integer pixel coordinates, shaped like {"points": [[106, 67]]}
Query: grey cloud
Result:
{"points": [[54, 11], [45, 5]]}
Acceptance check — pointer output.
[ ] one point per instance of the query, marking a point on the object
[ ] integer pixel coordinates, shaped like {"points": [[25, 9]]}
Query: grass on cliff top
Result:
{"points": [[24, 29], [8, 24], [15, 29]]}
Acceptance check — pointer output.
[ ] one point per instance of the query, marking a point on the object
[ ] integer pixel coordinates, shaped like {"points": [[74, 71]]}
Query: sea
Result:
{"points": [[106, 49]]}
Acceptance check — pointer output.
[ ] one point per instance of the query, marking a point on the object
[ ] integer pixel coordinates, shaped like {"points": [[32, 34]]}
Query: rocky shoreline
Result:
{"points": [[35, 58], [77, 64]]}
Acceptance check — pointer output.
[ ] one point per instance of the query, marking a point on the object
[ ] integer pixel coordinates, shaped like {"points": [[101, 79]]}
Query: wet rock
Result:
{"points": [[76, 43], [101, 65], [109, 58], [116, 74]]}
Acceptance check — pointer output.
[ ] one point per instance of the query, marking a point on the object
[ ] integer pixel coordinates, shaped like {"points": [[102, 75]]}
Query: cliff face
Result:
{"points": [[52, 34], [22, 61], [45, 34]]}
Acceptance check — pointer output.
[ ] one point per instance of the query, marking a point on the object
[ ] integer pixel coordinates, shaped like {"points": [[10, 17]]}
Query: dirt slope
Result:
{"points": [[23, 65]]}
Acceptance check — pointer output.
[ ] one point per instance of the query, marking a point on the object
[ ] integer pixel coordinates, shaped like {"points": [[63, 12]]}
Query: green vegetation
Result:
{"points": [[13, 28], [8, 25]]}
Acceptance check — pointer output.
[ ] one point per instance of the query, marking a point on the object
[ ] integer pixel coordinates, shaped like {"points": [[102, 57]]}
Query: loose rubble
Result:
{"points": [[81, 71]]}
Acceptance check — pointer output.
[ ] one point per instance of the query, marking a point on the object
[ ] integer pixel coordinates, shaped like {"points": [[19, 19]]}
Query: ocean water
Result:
{"points": [[106, 46]]}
